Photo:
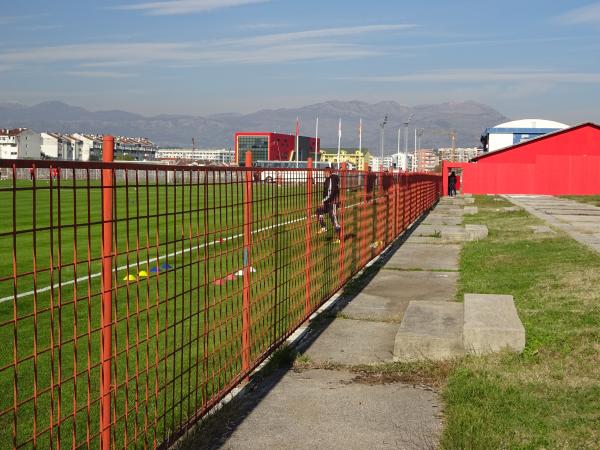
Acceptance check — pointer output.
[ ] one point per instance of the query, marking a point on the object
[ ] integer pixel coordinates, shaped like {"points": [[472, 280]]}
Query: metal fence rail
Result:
{"points": [[133, 298]]}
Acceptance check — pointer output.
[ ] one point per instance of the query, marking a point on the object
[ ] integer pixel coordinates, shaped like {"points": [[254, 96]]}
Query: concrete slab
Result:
{"points": [[428, 230], [430, 330], [470, 210], [424, 240], [425, 257], [448, 209], [539, 229], [462, 201], [579, 212], [326, 409], [476, 232], [491, 323], [442, 220], [587, 227], [576, 218], [400, 285], [511, 209], [351, 342], [376, 308], [454, 234]]}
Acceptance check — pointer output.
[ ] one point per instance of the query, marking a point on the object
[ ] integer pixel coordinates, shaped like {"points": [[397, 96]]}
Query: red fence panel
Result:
{"points": [[134, 297]]}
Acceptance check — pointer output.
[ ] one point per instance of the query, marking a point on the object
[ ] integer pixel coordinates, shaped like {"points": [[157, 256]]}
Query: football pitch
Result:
{"points": [[176, 300]]}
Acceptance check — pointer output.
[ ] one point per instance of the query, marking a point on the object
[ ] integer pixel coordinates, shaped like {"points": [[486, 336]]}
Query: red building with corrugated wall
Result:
{"points": [[273, 146], [566, 162]]}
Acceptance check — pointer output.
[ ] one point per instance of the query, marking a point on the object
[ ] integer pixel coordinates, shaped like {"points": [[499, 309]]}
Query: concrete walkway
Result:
{"points": [[579, 220], [325, 404]]}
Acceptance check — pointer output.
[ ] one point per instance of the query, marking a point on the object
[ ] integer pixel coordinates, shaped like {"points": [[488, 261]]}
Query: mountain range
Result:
{"points": [[469, 119]]}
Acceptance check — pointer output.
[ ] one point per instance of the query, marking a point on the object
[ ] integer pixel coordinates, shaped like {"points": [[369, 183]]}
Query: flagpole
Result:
{"points": [[317, 141], [398, 149], [297, 141], [360, 135], [339, 141]]}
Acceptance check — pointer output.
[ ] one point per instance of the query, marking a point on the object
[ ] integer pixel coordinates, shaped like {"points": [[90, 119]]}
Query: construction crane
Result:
{"points": [[450, 133], [453, 139]]}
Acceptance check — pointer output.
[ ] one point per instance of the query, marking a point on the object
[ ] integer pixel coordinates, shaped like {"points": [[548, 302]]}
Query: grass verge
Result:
{"points": [[548, 397]]}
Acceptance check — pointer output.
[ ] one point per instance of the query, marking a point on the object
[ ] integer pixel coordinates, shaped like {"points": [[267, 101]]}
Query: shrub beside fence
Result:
{"points": [[131, 304]]}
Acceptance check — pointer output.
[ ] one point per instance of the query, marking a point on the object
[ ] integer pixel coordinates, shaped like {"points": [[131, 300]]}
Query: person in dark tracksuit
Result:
{"points": [[330, 202], [452, 184]]}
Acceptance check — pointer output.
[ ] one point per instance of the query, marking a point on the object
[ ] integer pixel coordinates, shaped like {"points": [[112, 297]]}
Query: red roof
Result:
{"points": [[537, 139]]}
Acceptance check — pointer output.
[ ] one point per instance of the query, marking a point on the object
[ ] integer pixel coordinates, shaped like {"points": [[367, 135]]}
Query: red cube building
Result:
{"points": [[273, 146]]}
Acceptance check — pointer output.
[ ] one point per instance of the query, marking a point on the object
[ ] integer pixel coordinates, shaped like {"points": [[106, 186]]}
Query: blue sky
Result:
{"points": [[526, 59]]}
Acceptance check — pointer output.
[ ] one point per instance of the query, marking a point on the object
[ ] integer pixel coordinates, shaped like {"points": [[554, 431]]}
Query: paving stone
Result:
{"points": [[374, 307], [580, 212], [491, 323], [454, 234], [351, 342], [424, 257], [538, 229], [442, 220], [406, 285], [470, 210], [425, 240], [428, 230], [576, 218], [587, 227], [430, 330], [476, 232], [330, 409]]}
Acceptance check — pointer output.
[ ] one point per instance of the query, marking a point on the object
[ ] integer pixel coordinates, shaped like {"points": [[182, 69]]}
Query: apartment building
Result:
{"points": [[425, 160], [20, 143], [211, 156], [61, 146], [91, 146], [459, 154]]}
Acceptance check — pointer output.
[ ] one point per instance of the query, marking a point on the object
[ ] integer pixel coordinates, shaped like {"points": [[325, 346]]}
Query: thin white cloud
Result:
{"points": [[486, 75], [7, 20], [307, 45], [165, 54], [327, 33], [263, 26], [98, 74], [175, 7], [589, 14]]}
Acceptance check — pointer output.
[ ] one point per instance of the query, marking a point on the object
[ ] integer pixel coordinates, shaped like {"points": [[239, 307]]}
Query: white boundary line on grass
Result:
{"points": [[151, 260]]}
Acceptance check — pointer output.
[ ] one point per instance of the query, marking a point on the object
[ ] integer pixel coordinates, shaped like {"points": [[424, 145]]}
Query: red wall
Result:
{"points": [[281, 146], [567, 162]]}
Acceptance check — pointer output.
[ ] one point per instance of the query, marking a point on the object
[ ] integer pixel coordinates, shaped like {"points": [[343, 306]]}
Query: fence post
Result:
{"points": [[364, 215], [342, 202], [395, 208], [247, 264], [309, 182], [108, 148]]}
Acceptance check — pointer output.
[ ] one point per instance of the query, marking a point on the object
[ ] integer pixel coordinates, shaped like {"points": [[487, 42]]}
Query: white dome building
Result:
{"points": [[516, 131]]}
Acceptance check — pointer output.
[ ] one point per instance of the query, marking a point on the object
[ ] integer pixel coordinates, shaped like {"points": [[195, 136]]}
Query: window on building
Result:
{"points": [[258, 145]]}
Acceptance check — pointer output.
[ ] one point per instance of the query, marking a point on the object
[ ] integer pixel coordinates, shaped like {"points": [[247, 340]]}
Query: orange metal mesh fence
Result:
{"points": [[129, 306]]}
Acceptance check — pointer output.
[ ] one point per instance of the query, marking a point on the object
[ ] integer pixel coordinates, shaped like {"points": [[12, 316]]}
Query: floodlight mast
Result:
{"points": [[406, 140], [382, 125]]}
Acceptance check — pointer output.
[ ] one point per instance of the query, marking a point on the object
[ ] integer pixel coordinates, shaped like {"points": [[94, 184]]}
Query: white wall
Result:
{"points": [[499, 140], [49, 145]]}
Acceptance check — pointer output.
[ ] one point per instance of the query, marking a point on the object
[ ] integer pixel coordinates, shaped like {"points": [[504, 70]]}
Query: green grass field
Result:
{"points": [[176, 334], [548, 397]]}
